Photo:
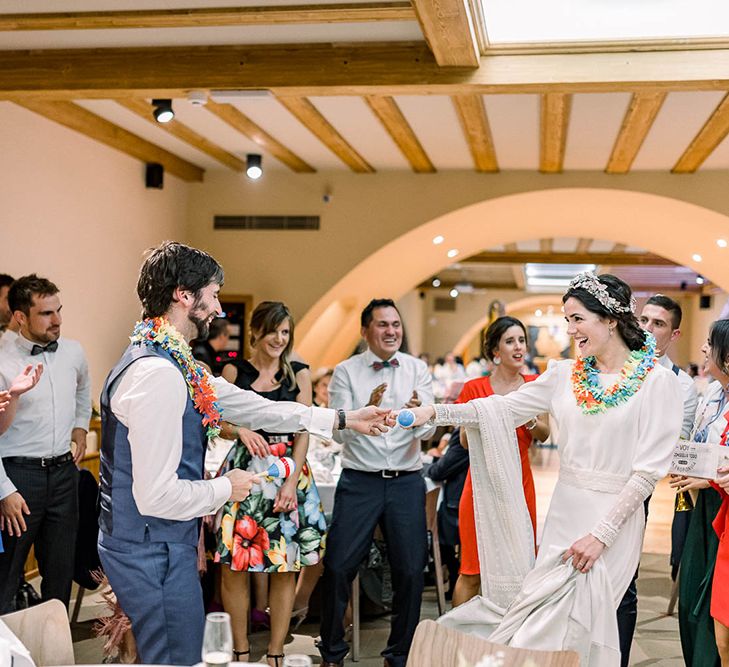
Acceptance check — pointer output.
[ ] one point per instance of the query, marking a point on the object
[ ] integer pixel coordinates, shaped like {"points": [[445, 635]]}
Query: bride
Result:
{"points": [[619, 415]]}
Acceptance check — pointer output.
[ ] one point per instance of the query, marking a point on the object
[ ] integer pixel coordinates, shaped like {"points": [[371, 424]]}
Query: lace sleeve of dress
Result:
{"points": [[629, 501], [461, 414]]}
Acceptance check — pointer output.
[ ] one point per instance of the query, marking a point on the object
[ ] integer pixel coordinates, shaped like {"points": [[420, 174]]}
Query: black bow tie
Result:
{"points": [[39, 349], [379, 365]]}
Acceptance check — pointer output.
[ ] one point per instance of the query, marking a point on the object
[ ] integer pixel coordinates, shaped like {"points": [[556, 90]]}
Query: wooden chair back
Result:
{"points": [[435, 646], [45, 631]]}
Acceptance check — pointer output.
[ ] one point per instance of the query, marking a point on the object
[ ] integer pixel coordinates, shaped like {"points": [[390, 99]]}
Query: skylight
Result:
{"points": [[532, 22]]}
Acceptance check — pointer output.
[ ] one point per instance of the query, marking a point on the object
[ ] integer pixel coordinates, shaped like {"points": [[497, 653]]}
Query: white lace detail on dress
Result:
{"points": [[628, 502], [461, 414], [593, 480]]}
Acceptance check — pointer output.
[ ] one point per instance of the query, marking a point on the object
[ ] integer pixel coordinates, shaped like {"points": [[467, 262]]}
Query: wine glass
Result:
{"points": [[217, 649]]}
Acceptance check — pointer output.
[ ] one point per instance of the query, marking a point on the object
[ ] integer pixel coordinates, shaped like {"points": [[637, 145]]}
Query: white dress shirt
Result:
{"points": [[690, 396], [350, 388], [150, 399], [7, 337], [46, 416]]}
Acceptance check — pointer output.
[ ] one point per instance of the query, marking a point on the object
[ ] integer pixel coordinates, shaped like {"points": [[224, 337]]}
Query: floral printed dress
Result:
{"points": [[254, 538]]}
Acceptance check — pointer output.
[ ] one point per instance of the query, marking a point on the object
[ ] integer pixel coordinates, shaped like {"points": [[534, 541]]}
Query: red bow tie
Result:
{"points": [[379, 365]]}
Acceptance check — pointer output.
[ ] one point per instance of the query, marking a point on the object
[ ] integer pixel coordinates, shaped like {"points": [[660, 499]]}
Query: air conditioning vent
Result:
{"points": [[444, 304], [266, 222]]}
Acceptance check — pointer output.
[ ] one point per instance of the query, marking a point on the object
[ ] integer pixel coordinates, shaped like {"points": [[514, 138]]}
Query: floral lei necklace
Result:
{"points": [[158, 331], [593, 398]]}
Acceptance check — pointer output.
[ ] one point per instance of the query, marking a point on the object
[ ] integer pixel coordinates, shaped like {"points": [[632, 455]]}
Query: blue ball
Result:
{"points": [[406, 418]]}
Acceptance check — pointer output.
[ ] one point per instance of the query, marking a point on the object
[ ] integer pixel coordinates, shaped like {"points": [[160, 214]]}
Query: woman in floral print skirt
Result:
{"points": [[280, 527]]}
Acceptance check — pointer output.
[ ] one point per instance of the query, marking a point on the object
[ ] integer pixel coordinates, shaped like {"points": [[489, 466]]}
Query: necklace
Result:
{"points": [[158, 331], [590, 394]]}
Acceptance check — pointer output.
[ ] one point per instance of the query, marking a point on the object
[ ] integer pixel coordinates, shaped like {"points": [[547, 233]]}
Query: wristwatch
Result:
{"points": [[342, 419]]}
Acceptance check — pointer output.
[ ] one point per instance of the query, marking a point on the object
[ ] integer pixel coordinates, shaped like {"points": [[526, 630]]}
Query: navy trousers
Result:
{"points": [[158, 587], [362, 501]]}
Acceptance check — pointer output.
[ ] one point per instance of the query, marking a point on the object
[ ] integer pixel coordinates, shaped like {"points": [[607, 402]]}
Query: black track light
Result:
{"points": [[254, 166], [163, 112]]}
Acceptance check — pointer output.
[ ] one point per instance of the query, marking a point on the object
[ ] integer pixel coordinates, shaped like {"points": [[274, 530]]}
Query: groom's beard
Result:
{"points": [[202, 323]]}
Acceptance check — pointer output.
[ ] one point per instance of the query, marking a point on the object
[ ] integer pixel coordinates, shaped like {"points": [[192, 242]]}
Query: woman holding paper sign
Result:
{"points": [[619, 415], [698, 640]]}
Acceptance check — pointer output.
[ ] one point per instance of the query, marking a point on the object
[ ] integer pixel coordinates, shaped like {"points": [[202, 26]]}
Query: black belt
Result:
{"points": [[42, 462], [390, 474]]}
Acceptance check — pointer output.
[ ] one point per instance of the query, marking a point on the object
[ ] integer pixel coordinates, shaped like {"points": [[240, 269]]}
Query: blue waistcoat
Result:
{"points": [[119, 516]]}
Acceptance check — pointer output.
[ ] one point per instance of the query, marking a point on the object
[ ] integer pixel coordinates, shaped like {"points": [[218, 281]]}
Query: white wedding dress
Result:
{"points": [[609, 463]]}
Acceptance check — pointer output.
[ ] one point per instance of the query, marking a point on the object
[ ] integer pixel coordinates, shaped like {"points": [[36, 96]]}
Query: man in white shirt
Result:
{"points": [[38, 476], [661, 315], [154, 437], [380, 484]]}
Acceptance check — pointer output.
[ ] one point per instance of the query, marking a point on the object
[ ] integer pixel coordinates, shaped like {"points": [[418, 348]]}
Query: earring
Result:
{"points": [[497, 361]]}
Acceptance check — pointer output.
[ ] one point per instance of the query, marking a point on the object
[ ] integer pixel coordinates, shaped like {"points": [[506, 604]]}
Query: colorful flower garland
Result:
{"points": [[593, 398], [158, 331]]}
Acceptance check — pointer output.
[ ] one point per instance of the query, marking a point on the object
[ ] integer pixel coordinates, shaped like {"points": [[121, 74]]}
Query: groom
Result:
{"points": [[154, 437]]}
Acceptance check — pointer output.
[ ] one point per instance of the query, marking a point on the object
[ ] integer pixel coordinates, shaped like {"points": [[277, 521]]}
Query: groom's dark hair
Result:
{"points": [[170, 266]]}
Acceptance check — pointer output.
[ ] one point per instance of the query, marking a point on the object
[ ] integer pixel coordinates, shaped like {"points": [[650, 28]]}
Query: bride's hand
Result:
{"points": [[422, 414], [584, 553]]}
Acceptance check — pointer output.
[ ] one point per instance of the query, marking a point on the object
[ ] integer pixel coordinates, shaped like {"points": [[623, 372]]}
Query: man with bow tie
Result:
{"points": [[38, 475], [380, 484]]}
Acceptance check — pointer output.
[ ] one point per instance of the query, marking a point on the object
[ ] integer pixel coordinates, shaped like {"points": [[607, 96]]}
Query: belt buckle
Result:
{"points": [[389, 474], [45, 461]]}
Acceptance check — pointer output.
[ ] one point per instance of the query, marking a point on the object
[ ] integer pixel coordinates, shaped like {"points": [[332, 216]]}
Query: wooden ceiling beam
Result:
{"points": [[449, 31], [545, 245], [345, 12], [519, 277], [475, 125], [354, 69], [638, 120], [95, 127], [240, 122], [397, 126], [709, 137], [583, 245], [320, 127], [554, 121], [538, 257], [184, 133]]}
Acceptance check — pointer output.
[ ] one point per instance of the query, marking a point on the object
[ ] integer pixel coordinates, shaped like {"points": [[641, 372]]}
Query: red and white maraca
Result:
{"points": [[281, 468]]}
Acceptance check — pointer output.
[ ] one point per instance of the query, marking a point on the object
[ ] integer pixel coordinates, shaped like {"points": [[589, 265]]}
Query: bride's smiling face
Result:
{"points": [[590, 332]]}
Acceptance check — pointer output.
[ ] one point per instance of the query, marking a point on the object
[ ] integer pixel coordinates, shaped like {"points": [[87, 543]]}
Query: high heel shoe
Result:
{"points": [[238, 654], [298, 616], [276, 658]]}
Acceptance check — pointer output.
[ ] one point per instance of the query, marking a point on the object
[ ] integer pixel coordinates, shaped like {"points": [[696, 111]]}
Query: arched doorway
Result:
{"points": [[669, 227]]}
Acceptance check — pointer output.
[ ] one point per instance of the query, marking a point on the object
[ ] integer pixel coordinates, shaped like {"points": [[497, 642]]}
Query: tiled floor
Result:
{"points": [[656, 640]]}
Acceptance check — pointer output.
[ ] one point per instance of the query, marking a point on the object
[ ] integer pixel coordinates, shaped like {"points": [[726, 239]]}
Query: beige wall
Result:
{"points": [[78, 213], [375, 234]]}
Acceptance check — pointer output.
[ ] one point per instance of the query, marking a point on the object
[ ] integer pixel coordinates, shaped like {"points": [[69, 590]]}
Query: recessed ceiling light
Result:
{"points": [[538, 312], [454, 293], [437, 240], [722, 243], [452, 253], [436, 282], [696, 257]]}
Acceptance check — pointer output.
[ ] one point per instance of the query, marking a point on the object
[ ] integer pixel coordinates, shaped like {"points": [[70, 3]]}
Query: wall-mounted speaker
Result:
{"points": [[154, 175], [705, 301]]}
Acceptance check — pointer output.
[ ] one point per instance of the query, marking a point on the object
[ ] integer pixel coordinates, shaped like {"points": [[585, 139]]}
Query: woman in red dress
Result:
{"points": [[720, 583], [505, 344]]}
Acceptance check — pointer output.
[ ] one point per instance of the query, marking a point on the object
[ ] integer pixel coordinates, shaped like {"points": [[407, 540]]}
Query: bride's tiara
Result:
{"points": [[589, 282]]}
